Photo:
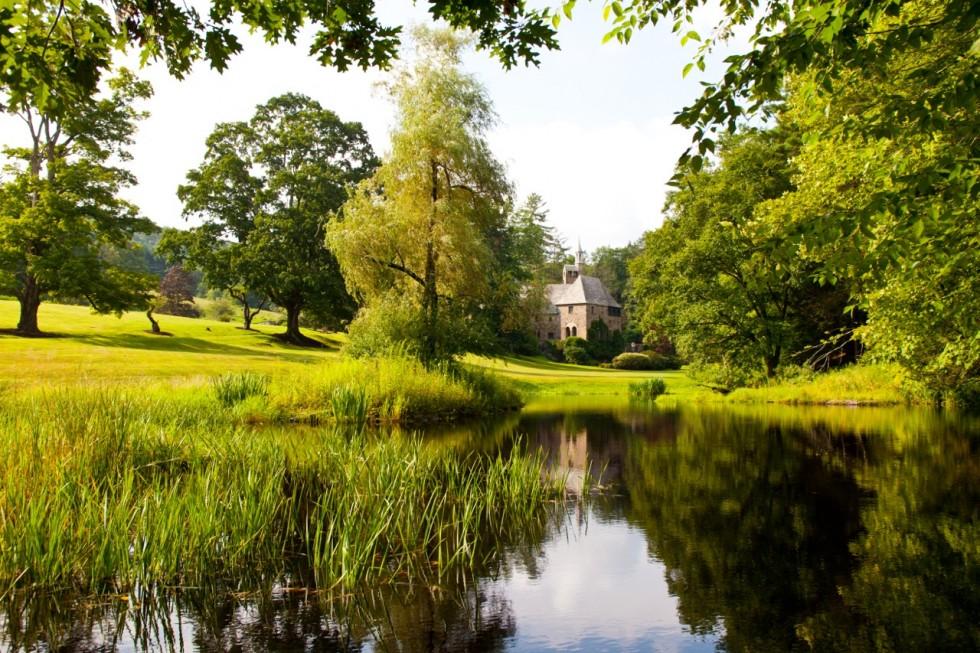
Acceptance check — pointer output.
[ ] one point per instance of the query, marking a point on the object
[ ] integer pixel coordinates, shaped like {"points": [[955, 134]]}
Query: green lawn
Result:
{"points": [[85, 346], [98, 348], [543, 377]]}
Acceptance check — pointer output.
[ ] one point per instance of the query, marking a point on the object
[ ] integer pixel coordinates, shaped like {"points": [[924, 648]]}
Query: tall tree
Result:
{"points": [[611, 264], [420, 230], [265, 192], [726, 287], [60, 205]]}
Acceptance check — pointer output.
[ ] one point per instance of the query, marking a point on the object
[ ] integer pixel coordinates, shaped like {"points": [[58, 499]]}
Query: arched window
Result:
{"points": [[574, 330], [568, 331]]}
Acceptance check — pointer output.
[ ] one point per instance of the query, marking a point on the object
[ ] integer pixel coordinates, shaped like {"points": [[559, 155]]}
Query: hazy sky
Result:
{"points": [[589, 130]]}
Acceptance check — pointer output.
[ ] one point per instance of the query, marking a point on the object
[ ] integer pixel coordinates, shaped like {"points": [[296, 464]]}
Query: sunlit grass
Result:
{"points": [[99, 348], [856, 385], [107, 489]]}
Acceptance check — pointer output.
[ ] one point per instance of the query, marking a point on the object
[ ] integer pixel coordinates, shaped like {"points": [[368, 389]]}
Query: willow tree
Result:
{"points": [[415, 239]]}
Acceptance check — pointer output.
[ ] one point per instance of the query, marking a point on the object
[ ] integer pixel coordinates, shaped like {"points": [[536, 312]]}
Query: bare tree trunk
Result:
{"points": [[30, 300], [154, 325]]}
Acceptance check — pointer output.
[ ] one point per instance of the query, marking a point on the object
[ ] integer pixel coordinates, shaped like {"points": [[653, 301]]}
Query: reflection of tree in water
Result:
{"points": [[791, 540], [472, 618]]}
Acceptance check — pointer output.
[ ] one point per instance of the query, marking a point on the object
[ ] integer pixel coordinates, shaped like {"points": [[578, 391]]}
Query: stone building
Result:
{"points": [[576, 303]]}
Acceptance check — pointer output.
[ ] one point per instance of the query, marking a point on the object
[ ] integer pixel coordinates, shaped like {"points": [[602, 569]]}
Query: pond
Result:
{"points": [[687, 529]]}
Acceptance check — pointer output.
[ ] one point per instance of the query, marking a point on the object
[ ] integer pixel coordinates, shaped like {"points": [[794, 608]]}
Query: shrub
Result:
{"points": [[550, 351], [632, 362], [649, 389], [233, 388], [576, 355], [220, 309], [659, 361]]}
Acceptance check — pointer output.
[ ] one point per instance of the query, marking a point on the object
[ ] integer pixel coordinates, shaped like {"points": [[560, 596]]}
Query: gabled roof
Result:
{"points": [[584, 290]]}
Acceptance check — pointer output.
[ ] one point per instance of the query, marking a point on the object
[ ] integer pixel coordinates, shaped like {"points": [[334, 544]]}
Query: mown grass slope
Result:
{"points": [[87, 347]]}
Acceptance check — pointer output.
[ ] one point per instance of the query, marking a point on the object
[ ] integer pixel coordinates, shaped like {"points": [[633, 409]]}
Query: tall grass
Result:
{"points": [[390, 390], [233, 388], [111, 489], [648, 389]]}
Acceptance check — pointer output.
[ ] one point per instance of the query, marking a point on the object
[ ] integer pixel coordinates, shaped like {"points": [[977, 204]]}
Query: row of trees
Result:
{"points": [[430, 241]]}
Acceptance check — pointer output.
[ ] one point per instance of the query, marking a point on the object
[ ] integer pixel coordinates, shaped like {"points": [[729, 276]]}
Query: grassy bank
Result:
{"points": [[102, 490], [538, 377], [385, 391], [856, 385]]}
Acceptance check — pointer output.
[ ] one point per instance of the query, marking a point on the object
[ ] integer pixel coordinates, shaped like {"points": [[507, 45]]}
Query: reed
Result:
{"points": [[390, 390], [648, 389], [233, 388], [110, 489]]}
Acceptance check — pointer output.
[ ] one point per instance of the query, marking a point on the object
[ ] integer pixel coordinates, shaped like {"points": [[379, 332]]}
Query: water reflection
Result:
{"points": [[736, 529]]}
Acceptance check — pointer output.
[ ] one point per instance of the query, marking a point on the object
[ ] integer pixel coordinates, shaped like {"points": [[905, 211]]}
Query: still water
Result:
{"points": [[688, 529]]}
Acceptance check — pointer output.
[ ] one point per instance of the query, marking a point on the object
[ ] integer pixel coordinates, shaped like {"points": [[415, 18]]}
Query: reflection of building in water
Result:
{"points": [[586, 446]]}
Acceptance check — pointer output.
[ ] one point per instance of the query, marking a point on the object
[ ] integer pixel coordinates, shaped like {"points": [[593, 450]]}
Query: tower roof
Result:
{"points": [[584, 290]]}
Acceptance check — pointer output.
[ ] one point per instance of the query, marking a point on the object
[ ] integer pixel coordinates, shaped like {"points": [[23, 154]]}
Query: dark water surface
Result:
{"points": [[703, 529]]}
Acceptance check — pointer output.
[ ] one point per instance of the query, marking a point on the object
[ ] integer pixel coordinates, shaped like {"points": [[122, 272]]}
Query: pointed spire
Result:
{"points": [[579, 255]]}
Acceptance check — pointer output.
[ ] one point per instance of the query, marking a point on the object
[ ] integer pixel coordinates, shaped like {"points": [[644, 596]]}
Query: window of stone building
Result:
{"points": [[614, 311], [574, 330], [570, 308]]}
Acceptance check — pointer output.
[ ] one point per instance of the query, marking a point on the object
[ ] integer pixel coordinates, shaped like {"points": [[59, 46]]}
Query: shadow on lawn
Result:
{"points": [[177, 343]]}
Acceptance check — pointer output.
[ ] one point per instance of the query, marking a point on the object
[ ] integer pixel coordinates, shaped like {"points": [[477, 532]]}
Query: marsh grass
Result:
{"points": [[235, 387], [390, 390], [109, 489], [648, 389]]}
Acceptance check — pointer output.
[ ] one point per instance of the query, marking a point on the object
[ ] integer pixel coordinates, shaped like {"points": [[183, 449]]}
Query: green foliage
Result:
{"points": [[40, 37], [233, 388], [725, 286], [603, 345], [576, 354], [220, 309], [648, 389], [611, 265], [828, 39], [265, 192], [423, 225], [628, 361], [901, 222], [659, 361]]}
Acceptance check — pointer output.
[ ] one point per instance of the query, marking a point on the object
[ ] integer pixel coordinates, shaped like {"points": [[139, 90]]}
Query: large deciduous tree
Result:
{"points": [[725, 286], [416, 239], [265, 192], [60, 207]]}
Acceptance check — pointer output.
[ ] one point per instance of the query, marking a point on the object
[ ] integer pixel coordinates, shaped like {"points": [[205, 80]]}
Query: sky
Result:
{"points": [[589, 129]]}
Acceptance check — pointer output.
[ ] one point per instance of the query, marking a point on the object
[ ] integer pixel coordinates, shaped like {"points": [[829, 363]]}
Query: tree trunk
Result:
{"points": [[430, 295], [30, 300], [154, 325], [772, 363], [293, 334], [247, 316]]}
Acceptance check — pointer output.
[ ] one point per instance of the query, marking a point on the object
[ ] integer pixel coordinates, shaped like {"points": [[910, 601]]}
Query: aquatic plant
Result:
{"points": [[102, 488], [648, 389], [238, 386]]}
